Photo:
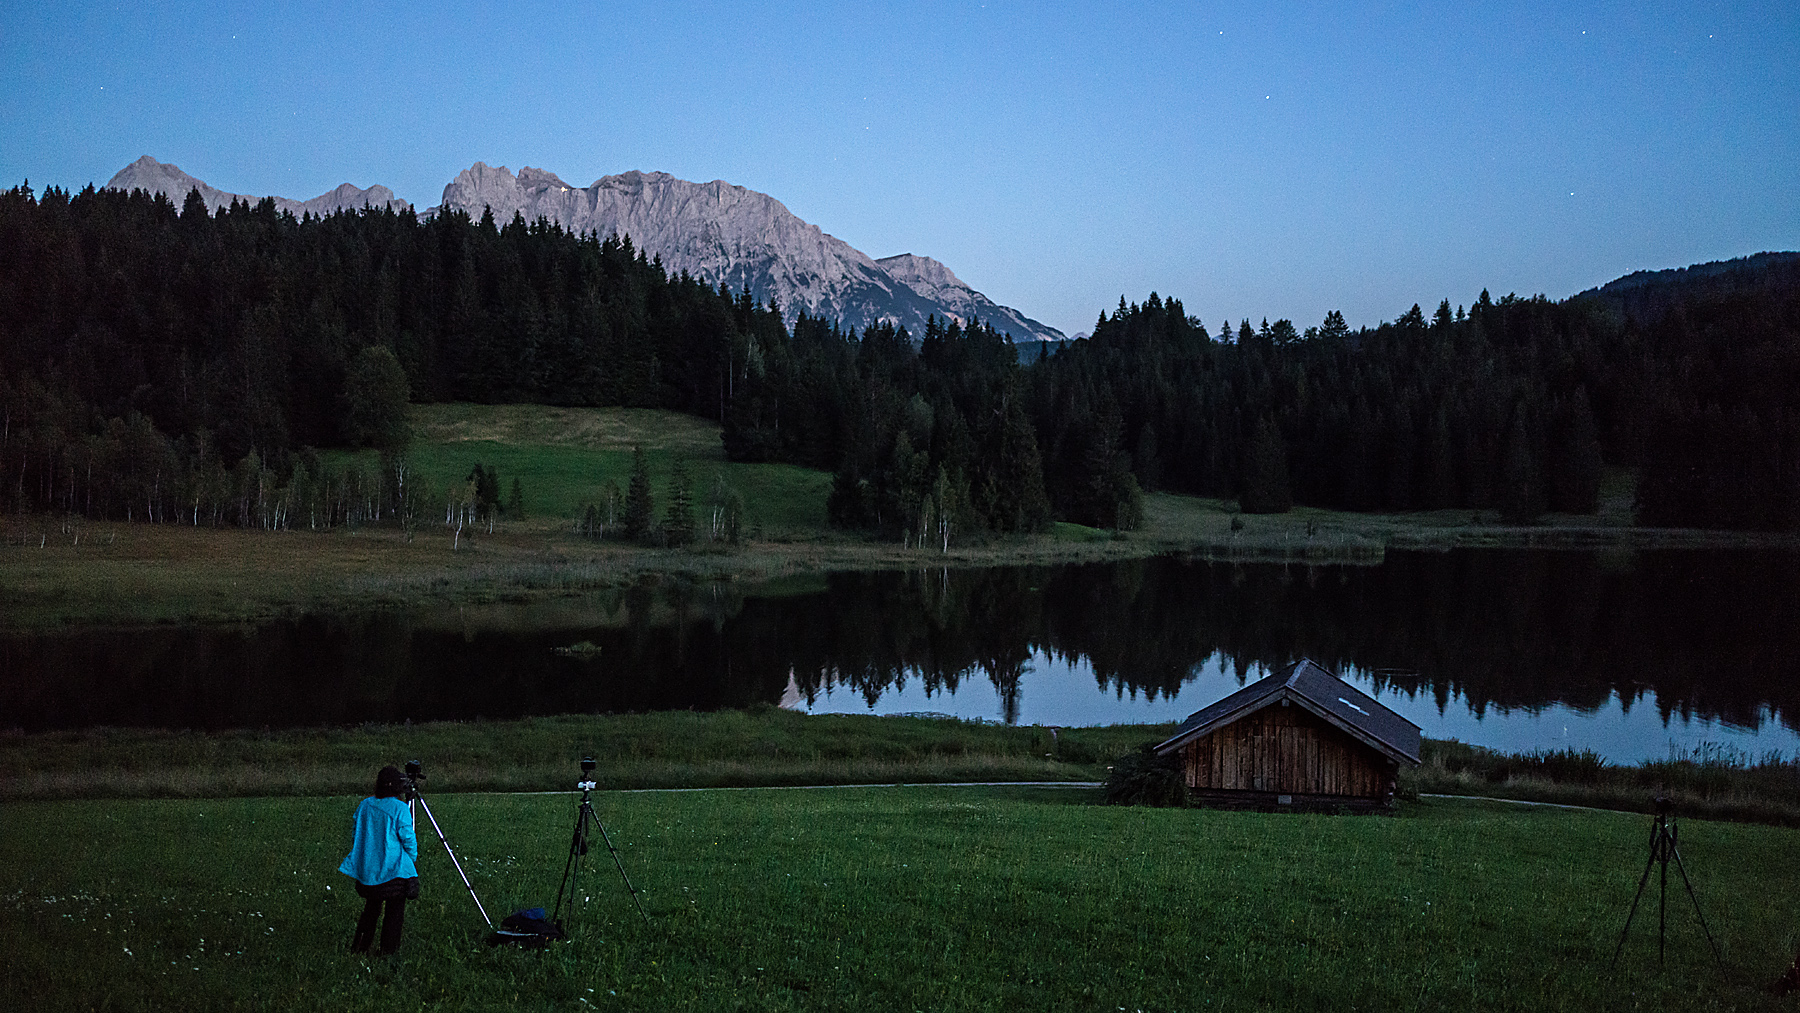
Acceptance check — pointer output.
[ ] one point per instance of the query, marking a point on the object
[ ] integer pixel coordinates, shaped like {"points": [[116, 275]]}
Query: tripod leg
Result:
{"points": [[1681, 866], [1629, 915], [459, 869], [578, 847], [615, 854], [1662, 902]]}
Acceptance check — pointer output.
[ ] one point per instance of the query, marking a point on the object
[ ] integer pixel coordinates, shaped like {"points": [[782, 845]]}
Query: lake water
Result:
{"points": [[1626, 653]]}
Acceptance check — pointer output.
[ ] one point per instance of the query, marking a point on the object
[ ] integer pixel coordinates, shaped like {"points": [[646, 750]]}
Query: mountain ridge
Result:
{"points": [[166, 178], [720, 232], [729, 234]]}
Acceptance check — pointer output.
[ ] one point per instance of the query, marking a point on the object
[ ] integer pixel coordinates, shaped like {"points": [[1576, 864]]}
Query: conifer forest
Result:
{"points": [[162, 363]]}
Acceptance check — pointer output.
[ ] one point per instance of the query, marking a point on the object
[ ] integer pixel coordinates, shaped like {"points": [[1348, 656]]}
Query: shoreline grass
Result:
{"points": [[895, 899], [766, 746], [770, 747]]}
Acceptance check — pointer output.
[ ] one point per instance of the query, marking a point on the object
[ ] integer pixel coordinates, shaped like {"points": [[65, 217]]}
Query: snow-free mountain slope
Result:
{"points": [[719, 232], [936, 283], [161, 177], [732, 235]]}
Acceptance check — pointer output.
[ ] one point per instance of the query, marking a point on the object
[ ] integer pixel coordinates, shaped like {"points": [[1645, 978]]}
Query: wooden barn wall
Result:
{"points": [[1286, 750]]}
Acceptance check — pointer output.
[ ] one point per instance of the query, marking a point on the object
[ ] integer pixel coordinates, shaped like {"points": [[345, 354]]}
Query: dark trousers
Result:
{"points": [[392, 896]]}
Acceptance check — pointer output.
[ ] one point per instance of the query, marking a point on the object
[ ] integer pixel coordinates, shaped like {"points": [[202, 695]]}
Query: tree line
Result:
{"points": [[169, 364]]}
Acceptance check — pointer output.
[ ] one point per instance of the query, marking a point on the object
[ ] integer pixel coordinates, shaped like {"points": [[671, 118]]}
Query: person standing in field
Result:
{"points": [[383, 850]]}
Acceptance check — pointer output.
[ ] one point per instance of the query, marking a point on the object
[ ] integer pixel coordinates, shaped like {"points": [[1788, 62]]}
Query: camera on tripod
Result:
{"points": [[415, 772], [587, 782]]}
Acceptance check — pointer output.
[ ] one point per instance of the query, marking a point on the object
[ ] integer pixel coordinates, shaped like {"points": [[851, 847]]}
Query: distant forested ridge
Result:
{"points": [[175, 365]]}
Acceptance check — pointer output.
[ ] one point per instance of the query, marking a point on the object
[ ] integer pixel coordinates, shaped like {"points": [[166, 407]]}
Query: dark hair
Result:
{"points": [[390, 783]]}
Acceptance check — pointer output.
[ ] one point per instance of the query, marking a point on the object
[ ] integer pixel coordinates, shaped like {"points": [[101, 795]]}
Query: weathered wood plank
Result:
{"points": [[1287, 750]]}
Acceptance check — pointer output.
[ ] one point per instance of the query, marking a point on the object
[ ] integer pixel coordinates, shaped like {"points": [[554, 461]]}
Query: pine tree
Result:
{"points": [[375, 397], [1266, 489], [679, 522], [1575, 461], [640, 506], [1522, 499], [1334, 328], [1019, 501]]}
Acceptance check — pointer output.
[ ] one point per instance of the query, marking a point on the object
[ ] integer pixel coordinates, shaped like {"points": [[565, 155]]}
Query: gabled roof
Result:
{"points": [[1331, 698]]}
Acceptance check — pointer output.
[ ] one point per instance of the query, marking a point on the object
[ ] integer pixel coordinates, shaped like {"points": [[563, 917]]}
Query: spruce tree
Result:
{"points": [[1522, 498], [640, 506], [678, 524], [1266, 489], [1575, 461], [1020, 503], [375, 399]]}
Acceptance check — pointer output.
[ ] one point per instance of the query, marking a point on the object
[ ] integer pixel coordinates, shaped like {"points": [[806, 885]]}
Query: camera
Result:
{"points": [[587, 774], [415, 772]]}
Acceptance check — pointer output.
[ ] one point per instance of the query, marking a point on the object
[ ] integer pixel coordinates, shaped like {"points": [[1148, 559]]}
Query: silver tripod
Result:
{"points": [[414, 774]]}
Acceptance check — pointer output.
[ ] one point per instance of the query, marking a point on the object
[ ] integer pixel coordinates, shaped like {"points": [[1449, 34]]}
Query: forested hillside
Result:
{"points": [[174, 365]]}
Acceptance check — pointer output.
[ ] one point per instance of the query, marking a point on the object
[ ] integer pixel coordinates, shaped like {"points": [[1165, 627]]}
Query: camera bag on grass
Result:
{"points": [[530, 927]]}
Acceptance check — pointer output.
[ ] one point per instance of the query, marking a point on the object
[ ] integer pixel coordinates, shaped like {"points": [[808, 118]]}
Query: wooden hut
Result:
{"points": [[1301, 738]]}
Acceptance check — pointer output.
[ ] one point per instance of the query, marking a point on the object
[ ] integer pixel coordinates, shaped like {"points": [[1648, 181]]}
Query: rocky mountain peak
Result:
{"points": [[729, 234], [717, 231], [153, 176]]}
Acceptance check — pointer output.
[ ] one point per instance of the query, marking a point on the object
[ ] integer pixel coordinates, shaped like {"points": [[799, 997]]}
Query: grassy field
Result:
{"points": [[881, 899], [767, 746], [564, 458], [60, 570]]}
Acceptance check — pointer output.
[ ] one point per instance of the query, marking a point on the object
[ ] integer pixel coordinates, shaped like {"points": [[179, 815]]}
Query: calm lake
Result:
{"points": [[1627, 653]]}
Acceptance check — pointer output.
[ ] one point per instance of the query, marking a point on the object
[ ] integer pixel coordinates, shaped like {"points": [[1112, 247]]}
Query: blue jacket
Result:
{"points": [[383, 846]]}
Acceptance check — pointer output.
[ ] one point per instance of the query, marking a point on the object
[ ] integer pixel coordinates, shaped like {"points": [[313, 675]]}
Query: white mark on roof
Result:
{"points": [[1353, 707]]}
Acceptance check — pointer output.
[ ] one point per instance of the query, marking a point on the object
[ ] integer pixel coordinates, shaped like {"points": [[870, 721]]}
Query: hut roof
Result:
{"points": [[1320, 692]]}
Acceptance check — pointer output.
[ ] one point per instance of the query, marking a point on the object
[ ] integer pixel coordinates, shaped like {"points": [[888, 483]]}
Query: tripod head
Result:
{"points": [[415, 772], [587, 783]]}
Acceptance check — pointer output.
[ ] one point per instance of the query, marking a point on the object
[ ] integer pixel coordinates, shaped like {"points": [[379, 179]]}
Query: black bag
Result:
{"points": [[405, 888], [530, 927]]}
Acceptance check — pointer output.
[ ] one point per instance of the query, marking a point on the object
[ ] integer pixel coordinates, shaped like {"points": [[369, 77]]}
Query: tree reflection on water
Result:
{"points": [[1711, 634]]}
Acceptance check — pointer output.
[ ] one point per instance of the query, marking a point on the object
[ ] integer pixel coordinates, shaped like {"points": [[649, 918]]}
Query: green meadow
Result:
{"points": [[920, 898], [564, 458], [762, 747]]}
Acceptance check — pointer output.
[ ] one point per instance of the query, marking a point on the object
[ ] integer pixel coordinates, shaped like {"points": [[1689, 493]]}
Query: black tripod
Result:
{"points": [[1663, 837], [578, 849]]}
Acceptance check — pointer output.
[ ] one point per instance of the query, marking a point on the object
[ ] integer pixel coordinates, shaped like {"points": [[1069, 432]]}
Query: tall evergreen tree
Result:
{"points": [[679, 521], [640, 505], [375, 401], [1522, 493], [1018, 500], [1265, 486], [1575, 460]]}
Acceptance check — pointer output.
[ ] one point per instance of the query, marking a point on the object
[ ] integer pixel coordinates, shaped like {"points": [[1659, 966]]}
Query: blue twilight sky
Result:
{"points": [[1253, 160]]}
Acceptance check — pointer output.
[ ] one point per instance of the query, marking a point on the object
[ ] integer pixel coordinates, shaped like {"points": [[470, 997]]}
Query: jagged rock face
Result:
{"points": [[730, 235], [722, 233], [936, 283], [161, 177]]}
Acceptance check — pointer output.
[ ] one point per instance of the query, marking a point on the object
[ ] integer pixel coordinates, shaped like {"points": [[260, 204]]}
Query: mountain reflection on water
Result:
{"points": [[1481, 636]]}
